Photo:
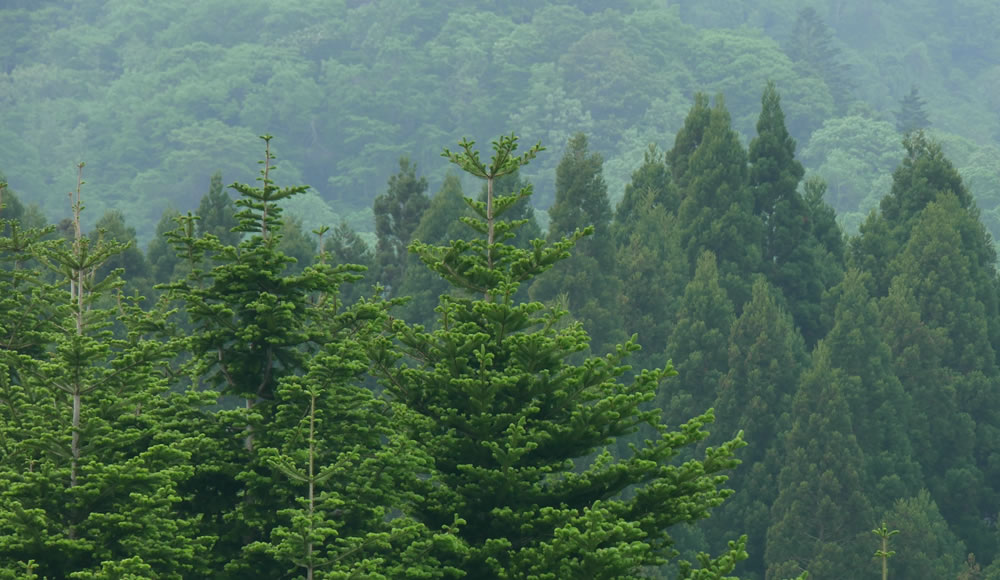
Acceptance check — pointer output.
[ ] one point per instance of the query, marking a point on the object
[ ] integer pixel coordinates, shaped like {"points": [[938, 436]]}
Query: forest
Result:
{"points": [[713, 295]]}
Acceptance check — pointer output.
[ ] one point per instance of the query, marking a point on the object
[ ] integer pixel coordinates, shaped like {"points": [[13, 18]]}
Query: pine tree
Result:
{"points": [[688, 140], [397, 215], [811, 47], [653, 269], [819, 522], [652, 180], [280, 342], [589, 278], [925, 548], [790, 252], [163, 261], [716, 211], [911, 115], [511, 184], [440, 223], [766, 358], [216, 213], [346, 246], [90, 479], [699, 344], [513, 427], [880, 409]]}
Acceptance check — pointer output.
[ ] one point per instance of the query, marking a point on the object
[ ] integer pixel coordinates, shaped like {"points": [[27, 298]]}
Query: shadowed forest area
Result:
{"points": [[721, 300]]}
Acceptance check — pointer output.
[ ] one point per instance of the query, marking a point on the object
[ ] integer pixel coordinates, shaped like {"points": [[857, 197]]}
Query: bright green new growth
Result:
{"points": [[884, 553], [519, 435]]}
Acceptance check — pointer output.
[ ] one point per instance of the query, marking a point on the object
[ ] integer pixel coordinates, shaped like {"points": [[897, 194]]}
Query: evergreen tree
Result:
{"points": [[216, 213], [716, 211], [513, 426], [652, 180], [589, 278], [911, 115], [790, 252], [688, 140], [397, 215], [163, 261], [811, 47], [279, 341], [346, 246], [819, 521], [135, 269], [511, 184], [653, 270], [925, 548], [297, 243], [90, 480], [699, 342], [440, 223], [880, 409], [766, 357]]}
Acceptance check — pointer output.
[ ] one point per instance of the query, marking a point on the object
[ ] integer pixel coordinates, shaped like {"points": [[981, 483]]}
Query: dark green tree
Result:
{"points": [[343, 245], [699, 342], [912, 115], [766, 358], [791, 254], [297, 243], [515, 430], [397, 214], [716, 211], [688, 140], [819, 521], [135, 269], [440, 224], [163, 261], [811, 46], [589, 278], [925, 548], [218, 214], [879, 407], [652, 180]]}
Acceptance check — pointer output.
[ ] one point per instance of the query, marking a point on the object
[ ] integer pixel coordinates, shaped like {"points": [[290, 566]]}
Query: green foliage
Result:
{"points": [[912, 115], [716, 211], [516, 430], [397, 214], [588, 278]]}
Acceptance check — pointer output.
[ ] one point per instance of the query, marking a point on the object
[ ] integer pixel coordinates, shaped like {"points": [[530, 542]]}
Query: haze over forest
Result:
{"points": [[739, 317]]}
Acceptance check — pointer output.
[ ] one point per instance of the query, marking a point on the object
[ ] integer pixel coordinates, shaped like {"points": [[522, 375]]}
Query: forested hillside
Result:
{"points": [[157, 96], [736, 316]]}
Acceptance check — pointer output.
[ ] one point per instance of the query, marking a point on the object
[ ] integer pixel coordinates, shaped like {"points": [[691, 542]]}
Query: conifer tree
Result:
{"points": [[279, 341], [687, 141], [911, 115], [589, 278], [216, 213], [879, 407], [397, 215], [346, 246], [716, 211], [90, 481], [812, 48], [766, 358], [925, 548], [819, 521], [790, 251], [163, 261], [653, 270], [652, 180], [699, 343], [440, 223], [506, 416], [511, 184]]}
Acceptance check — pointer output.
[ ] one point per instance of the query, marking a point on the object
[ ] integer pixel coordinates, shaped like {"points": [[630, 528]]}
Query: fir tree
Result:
{"points": [[163, 261], [397, 215], [504, 416], [216, 213], [589, 278], [346, 246], [716, 211], [652, 180], [911, 115], [819, 521], [790, 252], [699, 343], [766, 357], [688, 140], [440, 223], [811, 46], [90, 482], [511, 184]]}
